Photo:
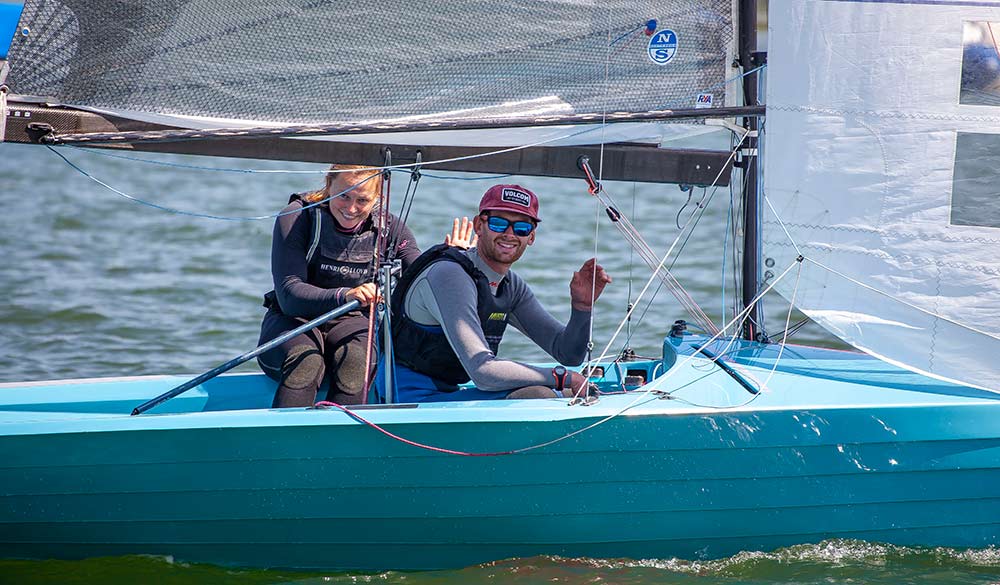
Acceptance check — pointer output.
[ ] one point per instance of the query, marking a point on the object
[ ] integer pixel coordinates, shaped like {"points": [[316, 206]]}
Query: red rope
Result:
{"points": [[363, 420]]}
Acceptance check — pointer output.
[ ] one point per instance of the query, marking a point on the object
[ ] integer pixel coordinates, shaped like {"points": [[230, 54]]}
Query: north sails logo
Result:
{"points": [[515, 196]]}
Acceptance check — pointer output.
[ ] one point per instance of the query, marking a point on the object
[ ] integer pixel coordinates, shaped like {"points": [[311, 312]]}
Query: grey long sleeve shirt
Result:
{"points": [[444, 295]]}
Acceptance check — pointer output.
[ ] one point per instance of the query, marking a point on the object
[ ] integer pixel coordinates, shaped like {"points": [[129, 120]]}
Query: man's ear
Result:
{"points": [[477, 225]]}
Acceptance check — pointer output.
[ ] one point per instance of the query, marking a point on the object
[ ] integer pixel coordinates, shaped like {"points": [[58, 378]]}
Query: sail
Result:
{"points": [[882, 154], [228, 64]]}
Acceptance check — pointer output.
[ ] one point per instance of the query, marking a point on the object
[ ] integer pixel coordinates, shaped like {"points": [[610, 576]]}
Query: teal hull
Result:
{"points": [[911, 462]]}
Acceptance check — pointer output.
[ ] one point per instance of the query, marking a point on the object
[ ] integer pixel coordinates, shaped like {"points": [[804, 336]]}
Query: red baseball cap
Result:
{"points": [[510, 198]]}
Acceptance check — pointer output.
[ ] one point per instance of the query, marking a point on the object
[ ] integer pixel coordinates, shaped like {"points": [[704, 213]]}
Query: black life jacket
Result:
{"points": [[427, 350], [337, 259]]}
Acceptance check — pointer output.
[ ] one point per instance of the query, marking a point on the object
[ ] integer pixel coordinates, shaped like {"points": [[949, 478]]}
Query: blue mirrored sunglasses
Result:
{"points": [[500, 225]]}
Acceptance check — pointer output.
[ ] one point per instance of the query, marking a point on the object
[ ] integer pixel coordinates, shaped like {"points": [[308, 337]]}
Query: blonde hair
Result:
{"points": [[358, 172]]}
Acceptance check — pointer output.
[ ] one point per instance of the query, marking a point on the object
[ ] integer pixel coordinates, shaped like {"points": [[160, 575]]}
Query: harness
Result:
{"points": [[344, 260], [426, 349]]}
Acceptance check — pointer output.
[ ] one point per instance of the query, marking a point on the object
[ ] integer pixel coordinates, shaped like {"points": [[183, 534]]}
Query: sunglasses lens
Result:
{"points": [[523, 228], [500, 225]]}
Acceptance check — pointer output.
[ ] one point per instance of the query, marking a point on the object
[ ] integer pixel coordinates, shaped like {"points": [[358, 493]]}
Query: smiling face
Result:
{"points": [[499, 251], [354, 206]]}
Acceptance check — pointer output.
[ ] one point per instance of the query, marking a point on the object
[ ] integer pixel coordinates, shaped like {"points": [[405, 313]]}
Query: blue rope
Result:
{"points": [[202, 215], [634, 30], [194, 167], [727, 82], [486, 178]]}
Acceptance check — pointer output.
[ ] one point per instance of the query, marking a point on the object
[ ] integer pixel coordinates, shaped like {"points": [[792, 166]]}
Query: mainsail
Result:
{"points": [[881, 173], [225, 64]]}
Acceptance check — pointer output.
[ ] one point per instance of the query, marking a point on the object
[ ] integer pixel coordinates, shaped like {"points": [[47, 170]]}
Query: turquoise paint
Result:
{"points": [[916, 462], [10, 15]]}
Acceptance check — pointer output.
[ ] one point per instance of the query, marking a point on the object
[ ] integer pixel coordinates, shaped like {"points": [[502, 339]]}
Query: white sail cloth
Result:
{"points": [[881, 174], [345, 62]]}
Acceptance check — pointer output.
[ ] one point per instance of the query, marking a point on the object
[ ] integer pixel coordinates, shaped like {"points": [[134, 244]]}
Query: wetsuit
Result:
{"points": [[313, 269], [444, 299]]}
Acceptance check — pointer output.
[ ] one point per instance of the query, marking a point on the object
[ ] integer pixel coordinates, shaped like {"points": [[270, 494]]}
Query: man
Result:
{"points": [[451, 307]]}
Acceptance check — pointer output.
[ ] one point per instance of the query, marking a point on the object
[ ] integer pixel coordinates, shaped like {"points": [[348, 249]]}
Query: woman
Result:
{"points": [[321, 258]]}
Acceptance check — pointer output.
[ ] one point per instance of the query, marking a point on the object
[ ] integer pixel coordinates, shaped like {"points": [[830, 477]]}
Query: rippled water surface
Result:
{"points": [[831, 562], [98, 285]]}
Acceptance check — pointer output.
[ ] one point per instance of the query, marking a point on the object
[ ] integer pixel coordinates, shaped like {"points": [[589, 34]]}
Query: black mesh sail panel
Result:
{"points": [[325, 61]]}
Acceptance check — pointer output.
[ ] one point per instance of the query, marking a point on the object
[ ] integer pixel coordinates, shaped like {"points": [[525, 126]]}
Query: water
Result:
{"points": [[831, 562], [97, 285]]}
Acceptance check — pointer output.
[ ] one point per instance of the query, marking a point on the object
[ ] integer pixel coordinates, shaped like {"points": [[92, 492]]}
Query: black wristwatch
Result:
{"points": [[559, 373]]}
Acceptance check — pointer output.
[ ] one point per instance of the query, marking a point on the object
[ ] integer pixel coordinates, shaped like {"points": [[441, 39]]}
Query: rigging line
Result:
{"points": [[644, 252], [354, 415], [639, 321], [632, 306], [483, 178], [725, 250], [627, 33], [408, 198], [721, 84], [632, 235], [649, 395], [397, 166], [257, 218], [790, 331], [628, 315], [380, 250], [677, 219], [597, 210], [777, 359], [654, 274], [631, 265], [737, 210], [654, 385], [195, 214], [788, 318], [101, 152], [774, 211], [901, 301], [700, 204], [672, 284], [989, 27], [784, 340]]}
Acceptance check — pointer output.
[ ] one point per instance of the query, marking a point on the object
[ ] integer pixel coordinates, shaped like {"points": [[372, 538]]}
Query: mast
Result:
{"points": [[748, 58]]}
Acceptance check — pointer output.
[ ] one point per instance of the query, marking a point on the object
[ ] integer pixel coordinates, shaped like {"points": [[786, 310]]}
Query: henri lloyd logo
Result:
{"points": [[345, 269], [515, 196]]}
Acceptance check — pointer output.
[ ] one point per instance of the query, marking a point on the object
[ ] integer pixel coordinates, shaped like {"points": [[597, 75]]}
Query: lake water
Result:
{"points": [[98, 285]]}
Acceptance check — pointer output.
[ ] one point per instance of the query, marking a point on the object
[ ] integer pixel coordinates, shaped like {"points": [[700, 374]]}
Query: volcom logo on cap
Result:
{"points": [[515, 196]]}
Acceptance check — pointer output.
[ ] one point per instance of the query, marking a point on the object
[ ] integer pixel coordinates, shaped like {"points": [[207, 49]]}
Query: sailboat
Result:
{"points": [[873, 217]]}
